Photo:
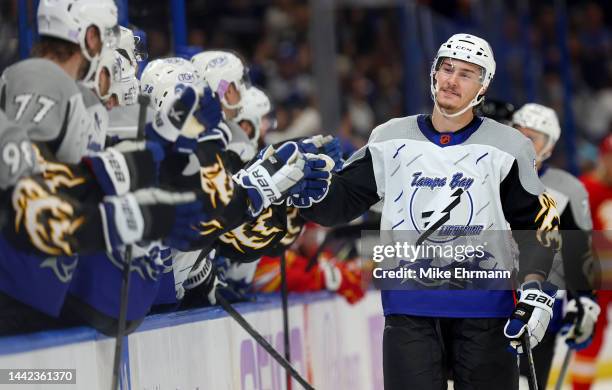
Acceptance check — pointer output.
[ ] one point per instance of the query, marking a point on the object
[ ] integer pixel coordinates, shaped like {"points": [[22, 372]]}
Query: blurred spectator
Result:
{"points": [[9, 40]]}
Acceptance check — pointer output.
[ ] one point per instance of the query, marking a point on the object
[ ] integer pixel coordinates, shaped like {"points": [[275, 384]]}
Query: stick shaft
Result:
{"points": [[143, 102], [564, 367], [125, 289], [262, 341], [533, 380], [284, 299]]}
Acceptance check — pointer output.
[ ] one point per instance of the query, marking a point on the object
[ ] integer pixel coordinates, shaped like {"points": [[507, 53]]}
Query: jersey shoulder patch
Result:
{"points": [[405, 127]]}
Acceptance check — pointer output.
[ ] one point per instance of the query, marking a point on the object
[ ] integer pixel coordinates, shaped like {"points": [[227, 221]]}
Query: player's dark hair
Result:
{"points": [[57, 48]]}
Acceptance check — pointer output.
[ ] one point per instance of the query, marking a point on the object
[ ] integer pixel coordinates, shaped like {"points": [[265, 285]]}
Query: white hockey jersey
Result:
{"points": [[441, 187]]}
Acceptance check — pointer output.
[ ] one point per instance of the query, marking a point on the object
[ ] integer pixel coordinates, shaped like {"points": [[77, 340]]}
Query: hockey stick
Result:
{"points": [[143, 101], [125, 288], [262, 341], [566, 361], [533, 380], [284, 300], [569, 352]]}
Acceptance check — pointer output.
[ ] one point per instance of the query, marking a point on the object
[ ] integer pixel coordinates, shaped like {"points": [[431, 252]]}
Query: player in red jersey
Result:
{"points": [[599, 186]]}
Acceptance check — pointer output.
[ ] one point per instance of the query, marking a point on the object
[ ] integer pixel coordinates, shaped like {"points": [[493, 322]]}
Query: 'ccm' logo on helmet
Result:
{"points": [[464, 48], [217, 61], [186, 77]]}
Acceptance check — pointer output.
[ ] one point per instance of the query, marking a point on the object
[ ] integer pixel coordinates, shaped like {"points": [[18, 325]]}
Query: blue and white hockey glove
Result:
{"points": [[210, 115], [175, 125], [112, 169], [578, 326], [209, 112], [271, 178], [316, 181], [532, 314], [327, 145], [136, 216]]}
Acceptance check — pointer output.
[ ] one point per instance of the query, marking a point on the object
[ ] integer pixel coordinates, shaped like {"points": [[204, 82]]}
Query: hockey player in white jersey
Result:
{"points": [[255, 106], [115, 81], [447, 171], [570, 268], [227, 76], [161, 76]]}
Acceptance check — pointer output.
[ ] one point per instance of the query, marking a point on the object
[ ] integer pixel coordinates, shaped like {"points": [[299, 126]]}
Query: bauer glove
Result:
{"points": [[149, 215], [273, 176], [327, 145], [316, 181], [175, 125], [532, 314]]}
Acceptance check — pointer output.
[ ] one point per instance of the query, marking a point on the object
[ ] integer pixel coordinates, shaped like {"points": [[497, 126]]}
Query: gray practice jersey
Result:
{"points": [[37, 92], [575, 259], [570, 194], [17, 157]]}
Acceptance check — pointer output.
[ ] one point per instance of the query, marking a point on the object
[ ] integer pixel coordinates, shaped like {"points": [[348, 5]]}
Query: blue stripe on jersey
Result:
{"points": [[447, 138], [41, 282], [449, 303]]}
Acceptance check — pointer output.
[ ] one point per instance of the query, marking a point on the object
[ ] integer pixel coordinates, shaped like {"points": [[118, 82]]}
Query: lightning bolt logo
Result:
{"points": [[441, 217]]}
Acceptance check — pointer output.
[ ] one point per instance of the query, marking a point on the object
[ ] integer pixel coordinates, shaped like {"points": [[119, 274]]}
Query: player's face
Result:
{"points": [[104, 85], [248, 128], [457, 83], [112, 102], [538, 139], [93, 41], [232, 96]]}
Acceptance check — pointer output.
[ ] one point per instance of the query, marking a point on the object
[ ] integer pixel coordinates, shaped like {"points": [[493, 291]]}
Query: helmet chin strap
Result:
{"points": [[475, 101]]}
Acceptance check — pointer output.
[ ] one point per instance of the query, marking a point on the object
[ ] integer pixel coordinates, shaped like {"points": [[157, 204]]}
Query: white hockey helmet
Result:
{"points": [[160, 78], [255, 105], [131, 45], [541, 119], [123, 82], [69, 20], [468, 48], [220, 69]]}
